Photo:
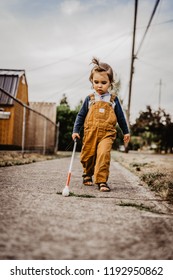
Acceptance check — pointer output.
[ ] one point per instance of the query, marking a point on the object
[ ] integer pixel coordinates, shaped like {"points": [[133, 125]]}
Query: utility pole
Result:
{"points": [[133, 57], [160, 88]]}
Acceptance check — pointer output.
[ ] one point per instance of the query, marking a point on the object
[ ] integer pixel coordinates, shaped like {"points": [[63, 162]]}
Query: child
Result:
{"points": [[99, 114]]}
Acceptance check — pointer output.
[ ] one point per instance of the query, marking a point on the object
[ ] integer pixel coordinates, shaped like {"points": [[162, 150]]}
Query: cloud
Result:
{"points": [[70, 7], [55, 41]]}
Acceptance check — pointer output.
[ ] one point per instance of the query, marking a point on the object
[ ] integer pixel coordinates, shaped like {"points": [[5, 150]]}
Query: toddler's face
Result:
{"points": [[101, 82]]}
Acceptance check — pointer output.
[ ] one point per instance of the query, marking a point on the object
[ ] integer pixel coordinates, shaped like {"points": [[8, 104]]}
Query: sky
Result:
{"points": [[54, 42]]}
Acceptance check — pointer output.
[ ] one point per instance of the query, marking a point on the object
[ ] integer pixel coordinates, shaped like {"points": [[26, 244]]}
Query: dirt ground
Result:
{"points": [[146, 161], [156, 170]]}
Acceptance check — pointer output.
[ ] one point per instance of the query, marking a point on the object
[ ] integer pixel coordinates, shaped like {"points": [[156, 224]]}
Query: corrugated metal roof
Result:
{"points": [[9, 81], [12, 72]]}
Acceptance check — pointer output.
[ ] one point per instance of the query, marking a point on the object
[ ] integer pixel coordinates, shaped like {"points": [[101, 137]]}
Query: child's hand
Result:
{"points": [[75, 135], [126, 138]]}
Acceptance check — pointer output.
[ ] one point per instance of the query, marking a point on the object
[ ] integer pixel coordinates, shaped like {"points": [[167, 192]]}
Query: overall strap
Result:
{"points": [[92, 99], [113, 96], [112, 100]]}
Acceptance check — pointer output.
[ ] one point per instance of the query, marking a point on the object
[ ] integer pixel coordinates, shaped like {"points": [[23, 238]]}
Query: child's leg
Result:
{"points": [[88, 168], [88, 165], [88, 154], [101, 172]]}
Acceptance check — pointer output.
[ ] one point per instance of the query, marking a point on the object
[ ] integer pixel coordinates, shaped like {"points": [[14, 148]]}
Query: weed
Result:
{"points": [[78, 195], [138, 206], [151, 177], [136, 164], [170, 191], [158, 182], [82, 195]]}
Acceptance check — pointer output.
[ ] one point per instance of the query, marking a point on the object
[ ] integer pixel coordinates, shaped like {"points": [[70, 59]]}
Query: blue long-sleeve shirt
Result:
{"points": [[80, 119]]}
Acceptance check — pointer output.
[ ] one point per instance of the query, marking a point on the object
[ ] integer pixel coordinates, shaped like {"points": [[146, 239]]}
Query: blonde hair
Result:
{"points": [[101, 67]]}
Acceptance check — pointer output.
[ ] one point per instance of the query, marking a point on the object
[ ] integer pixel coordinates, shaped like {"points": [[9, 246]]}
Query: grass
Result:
{"points": [[140, 207], [78, 195], [151, 177], [158, 182], [137, 164], [11, 158], [16, 162]]}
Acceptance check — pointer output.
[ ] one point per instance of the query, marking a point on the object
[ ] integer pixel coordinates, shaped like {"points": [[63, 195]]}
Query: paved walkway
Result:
{"points": [[37, 222]]}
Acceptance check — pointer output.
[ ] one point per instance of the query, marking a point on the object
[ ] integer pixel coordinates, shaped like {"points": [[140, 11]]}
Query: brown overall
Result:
{"points": [[99, 134]]}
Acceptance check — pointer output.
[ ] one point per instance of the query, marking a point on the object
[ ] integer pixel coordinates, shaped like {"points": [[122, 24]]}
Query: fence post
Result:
{"points": [[23, 130], [57, 137], [44, 137]]}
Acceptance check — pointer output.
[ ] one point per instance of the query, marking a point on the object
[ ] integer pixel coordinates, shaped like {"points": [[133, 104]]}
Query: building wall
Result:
{"points": [[22, 95], [7, 127], [39, 132], [11, 129]]}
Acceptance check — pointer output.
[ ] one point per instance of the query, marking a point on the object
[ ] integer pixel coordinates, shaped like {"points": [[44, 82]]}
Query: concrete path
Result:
{"points": [[37, 222]]}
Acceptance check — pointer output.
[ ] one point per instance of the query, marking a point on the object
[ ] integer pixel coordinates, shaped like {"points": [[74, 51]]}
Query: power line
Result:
{"points": [[78, 80], [25, 105], [163, 22], [78, 53], [133, 56], [159, 68], [149, 23], [66, 88], [83, 52]]}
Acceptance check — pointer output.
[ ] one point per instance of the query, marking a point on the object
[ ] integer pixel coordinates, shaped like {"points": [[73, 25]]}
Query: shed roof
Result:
{"points": [[9, 81]]}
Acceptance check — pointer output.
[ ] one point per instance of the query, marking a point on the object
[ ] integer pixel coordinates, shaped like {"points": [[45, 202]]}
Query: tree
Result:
{"points": [[66, 117], [153, 126], [169, 138], [78, 107], [64, 101]]}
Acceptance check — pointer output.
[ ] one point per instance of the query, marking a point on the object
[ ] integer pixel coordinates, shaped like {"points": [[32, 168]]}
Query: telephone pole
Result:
{"points": [[160, 89], [133, 57]]}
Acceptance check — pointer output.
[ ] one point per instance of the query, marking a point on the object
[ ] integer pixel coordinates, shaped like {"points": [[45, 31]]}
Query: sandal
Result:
{"points": [[103, 187], [87, 180]]}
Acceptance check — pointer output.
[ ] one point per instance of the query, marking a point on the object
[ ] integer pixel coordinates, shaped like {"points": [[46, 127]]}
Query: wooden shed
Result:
{"points": [[11, 113]]}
